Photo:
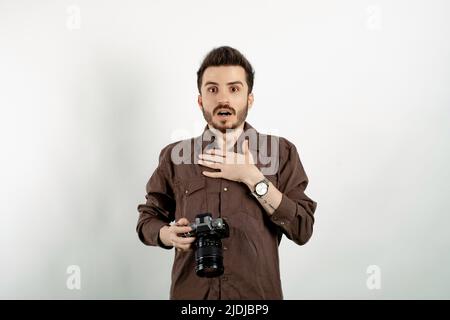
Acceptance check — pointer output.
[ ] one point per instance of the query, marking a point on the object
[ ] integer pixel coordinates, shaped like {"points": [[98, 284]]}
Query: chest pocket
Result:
{"points": [[193, 195], [250, 203]]}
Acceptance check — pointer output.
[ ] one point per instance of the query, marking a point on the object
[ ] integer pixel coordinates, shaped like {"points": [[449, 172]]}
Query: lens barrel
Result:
{"points": [[209, 256]]}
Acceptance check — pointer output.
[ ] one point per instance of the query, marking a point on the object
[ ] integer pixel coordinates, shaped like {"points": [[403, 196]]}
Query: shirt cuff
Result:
{"points": [[285, 212], [150, 233]]}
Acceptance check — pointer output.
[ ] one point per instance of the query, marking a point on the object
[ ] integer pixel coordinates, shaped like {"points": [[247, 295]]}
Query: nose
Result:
{"points": [[222, 98]]}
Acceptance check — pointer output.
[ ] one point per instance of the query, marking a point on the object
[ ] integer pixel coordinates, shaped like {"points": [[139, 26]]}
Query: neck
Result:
{"points": [[228, 138]]}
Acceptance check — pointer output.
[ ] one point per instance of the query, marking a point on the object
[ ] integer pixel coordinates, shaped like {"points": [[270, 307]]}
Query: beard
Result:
{"points": [[234, 121]]}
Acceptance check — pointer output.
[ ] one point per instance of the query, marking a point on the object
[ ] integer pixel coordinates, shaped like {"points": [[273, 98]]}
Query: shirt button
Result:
{"points": [[187, 191], [225, 248], [225, 189]]}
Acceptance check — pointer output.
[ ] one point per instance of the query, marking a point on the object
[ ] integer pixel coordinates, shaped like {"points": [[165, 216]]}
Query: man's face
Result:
{"points": [[224, 98]]}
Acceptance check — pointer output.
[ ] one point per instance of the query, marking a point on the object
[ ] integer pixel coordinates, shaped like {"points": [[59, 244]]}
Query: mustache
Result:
{"points": [[224, 107]]}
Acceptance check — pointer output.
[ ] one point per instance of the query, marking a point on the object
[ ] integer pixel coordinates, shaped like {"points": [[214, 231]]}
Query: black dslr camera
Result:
{"points": [[208, 253]]}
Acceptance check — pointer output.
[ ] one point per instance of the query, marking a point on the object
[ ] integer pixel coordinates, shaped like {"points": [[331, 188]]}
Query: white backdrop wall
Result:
{"points": [[90, 91]]}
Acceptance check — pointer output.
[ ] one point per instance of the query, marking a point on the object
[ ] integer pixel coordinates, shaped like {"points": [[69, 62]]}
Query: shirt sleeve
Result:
{"points": [[295, 214], [159, 208]]}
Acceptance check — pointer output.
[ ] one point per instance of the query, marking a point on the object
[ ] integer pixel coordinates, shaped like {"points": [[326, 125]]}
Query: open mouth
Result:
{"points": [[224, 113]]}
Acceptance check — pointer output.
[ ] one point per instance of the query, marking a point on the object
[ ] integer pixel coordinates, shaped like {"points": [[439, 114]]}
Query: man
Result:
{"points": [[224, 173]]}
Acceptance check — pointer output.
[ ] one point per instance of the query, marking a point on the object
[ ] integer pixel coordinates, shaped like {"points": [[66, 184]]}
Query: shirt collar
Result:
{"points": [[209, 136]]}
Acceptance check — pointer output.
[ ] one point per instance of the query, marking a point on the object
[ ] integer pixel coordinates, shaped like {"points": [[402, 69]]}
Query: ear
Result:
{"points": [[250, 100], [200, 101]]}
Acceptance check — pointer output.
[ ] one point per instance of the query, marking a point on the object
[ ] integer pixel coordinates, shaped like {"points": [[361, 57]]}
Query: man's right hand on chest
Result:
{"points": [[170, 235]]}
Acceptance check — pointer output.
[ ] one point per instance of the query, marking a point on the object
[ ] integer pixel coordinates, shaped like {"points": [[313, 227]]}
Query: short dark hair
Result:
{"points": [[226, 56]]}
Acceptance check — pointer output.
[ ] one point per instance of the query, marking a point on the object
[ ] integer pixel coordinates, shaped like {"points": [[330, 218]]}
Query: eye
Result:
{"points": [[234, 89], [212, 89]]}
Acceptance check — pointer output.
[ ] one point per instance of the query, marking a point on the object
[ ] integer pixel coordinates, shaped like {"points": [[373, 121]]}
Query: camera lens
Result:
{"points": [[209, 256]]}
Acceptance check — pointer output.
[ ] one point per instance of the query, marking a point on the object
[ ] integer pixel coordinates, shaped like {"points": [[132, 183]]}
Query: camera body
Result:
{"points": [[208, 251]]}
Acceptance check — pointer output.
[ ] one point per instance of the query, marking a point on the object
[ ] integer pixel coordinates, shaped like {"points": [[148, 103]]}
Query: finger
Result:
{"points": [[209, 164], [247, 154], [245, 146], [213, 151], [182, 222], [218, 152], [231, 154], [232, 158], [179, 244], [210, 151], [178, 230], [184, 247], [182, 240], [212, 158], [212, 174]]}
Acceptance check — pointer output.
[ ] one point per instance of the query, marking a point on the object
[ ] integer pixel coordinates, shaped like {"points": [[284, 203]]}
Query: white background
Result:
{"points": [[360, 87]]}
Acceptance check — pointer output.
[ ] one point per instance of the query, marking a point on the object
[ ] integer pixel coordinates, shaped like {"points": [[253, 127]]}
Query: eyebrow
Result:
{"points": [[229, 83]]}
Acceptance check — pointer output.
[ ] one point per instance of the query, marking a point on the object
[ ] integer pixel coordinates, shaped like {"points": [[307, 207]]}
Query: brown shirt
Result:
{"points": [[250, 253]]}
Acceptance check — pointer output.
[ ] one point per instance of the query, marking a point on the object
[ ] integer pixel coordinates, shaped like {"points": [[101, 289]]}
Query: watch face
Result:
{"points": [[261, 188]]}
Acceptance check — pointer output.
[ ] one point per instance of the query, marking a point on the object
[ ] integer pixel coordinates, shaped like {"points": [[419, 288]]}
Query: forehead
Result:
{"points": [[224, 74]]}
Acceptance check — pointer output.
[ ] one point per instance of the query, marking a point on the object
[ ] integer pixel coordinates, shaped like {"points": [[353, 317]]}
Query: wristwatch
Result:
{"points": [[261, 188]]}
